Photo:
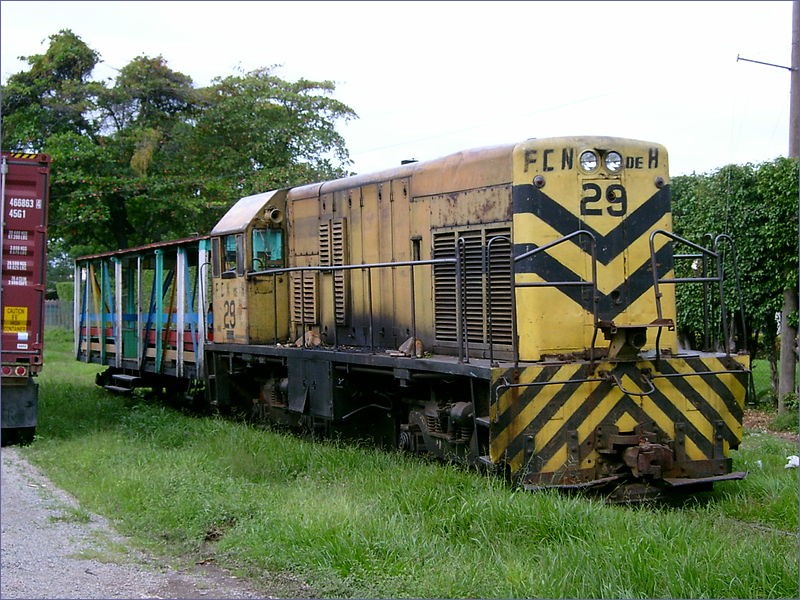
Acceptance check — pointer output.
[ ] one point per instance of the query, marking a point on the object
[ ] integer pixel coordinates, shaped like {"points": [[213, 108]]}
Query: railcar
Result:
{"points": [[509, 307], [23, 261]]}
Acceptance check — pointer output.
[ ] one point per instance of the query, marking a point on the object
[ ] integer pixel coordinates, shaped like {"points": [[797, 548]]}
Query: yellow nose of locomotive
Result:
{"points": [[584, 209]]}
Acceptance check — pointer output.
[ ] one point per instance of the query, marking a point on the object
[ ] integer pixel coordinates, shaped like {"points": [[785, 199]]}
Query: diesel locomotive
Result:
{"points": [[511, 307]]}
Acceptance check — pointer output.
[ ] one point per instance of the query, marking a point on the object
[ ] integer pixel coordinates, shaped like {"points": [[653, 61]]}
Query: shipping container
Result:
{"points": [[25, 187]]}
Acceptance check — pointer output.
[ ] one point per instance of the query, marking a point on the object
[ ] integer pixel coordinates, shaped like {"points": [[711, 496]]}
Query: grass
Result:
{"points": [[357, 522]]}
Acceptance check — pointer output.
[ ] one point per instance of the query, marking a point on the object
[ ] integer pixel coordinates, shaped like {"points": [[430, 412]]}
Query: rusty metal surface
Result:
{"points": [[243, 212], [144, 248]]}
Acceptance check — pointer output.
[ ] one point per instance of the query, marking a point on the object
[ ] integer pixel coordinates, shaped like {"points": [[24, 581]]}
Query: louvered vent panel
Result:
{"points": [[304, 298], [341, 279], [476, 292], [501, 284], [325, 244], [444, 287]]}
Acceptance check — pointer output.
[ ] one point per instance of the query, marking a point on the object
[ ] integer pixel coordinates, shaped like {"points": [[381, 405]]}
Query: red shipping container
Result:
{"points": [[24, 266]]}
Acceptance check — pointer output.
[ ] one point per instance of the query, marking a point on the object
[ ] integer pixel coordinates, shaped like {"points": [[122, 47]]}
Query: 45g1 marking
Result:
{"points": [[615, 196]]}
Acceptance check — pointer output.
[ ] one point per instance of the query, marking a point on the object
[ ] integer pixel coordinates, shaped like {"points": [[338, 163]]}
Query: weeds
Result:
{"points": [[357, 522]]}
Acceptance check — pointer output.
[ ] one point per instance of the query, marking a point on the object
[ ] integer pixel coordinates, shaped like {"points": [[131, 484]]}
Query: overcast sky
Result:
{"points": [[431, 78]]}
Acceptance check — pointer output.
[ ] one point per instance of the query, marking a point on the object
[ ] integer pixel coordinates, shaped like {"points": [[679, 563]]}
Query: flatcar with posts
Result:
{"points": [[509, 307]]}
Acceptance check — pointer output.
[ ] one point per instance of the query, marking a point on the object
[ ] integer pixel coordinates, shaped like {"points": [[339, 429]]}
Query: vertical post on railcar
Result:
{"points": [[118, 337], [102, 316], [158, 286], [76, 311], [86, 319], [140, 331], [182, 274]]}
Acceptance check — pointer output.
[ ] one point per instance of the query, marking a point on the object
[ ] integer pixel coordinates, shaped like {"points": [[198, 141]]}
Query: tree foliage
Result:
{"points": [[55, 96], [756, 205], [149, 156]]}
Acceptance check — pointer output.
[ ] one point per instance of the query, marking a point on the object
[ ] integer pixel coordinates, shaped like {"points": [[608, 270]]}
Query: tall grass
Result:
{"points": [[357, 522]]}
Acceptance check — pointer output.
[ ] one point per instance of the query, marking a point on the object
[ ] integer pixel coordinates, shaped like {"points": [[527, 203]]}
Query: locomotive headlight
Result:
{"points": [[613, 161], [588, 160]]}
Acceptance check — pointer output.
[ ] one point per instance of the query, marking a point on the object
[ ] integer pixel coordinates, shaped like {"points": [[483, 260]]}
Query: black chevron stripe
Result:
{"points": [[566, 391], [719, 387], [527, 395], [529, 199], [611, 304], [625, 404], [709, 413]]}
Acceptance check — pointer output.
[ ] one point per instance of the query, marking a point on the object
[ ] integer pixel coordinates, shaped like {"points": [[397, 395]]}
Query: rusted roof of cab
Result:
{"points": [[244, 211], [144, 248], [463, 170]]}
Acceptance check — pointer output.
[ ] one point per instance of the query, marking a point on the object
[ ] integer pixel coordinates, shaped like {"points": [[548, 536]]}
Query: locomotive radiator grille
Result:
{"points": [[531, 425], [477, 308]]}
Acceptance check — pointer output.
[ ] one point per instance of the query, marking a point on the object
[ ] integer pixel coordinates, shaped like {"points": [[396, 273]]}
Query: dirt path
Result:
{"points": [[51, 548], [755, 420]]}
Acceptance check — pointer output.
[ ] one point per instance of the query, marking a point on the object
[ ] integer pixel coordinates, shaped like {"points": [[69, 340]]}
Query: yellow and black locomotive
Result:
{"points": [[512, 307]]}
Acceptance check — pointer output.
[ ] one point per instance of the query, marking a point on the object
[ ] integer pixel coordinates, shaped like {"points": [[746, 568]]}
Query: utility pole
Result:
{"points": [[794, 135], [794, 94], [790, 297], [789, 338]]}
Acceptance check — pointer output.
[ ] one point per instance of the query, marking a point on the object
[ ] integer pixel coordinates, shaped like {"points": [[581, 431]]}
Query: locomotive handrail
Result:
{"points": [[504, 384], [487, 270], [592, 283], [724, 237], [617, 380], [462, 333], [462, 338], [704, 254], [463, 355], [352, 267]]}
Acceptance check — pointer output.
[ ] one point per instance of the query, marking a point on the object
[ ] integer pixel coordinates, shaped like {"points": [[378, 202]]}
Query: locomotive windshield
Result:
{"points": [[267, 248]]}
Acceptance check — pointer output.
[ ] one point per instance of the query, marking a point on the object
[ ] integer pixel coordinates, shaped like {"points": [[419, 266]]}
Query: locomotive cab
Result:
{"points": [[250, 238]]}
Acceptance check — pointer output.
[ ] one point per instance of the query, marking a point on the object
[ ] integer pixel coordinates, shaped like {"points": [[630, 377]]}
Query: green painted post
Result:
{"points": [[159, 316]]}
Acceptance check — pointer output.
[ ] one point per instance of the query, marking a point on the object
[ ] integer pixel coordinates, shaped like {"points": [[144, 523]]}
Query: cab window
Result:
{"points": [[267, 248], [229, 261], [233, 254]]}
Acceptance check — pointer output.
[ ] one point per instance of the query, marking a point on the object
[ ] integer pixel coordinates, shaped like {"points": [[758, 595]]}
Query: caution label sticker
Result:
{"points": [[15, 319]]}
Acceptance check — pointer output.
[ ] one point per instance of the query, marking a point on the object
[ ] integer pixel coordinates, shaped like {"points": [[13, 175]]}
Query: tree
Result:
{"points": [[55, 96], [256, 132], [152, 157], [753, 205], [778, 182]]}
